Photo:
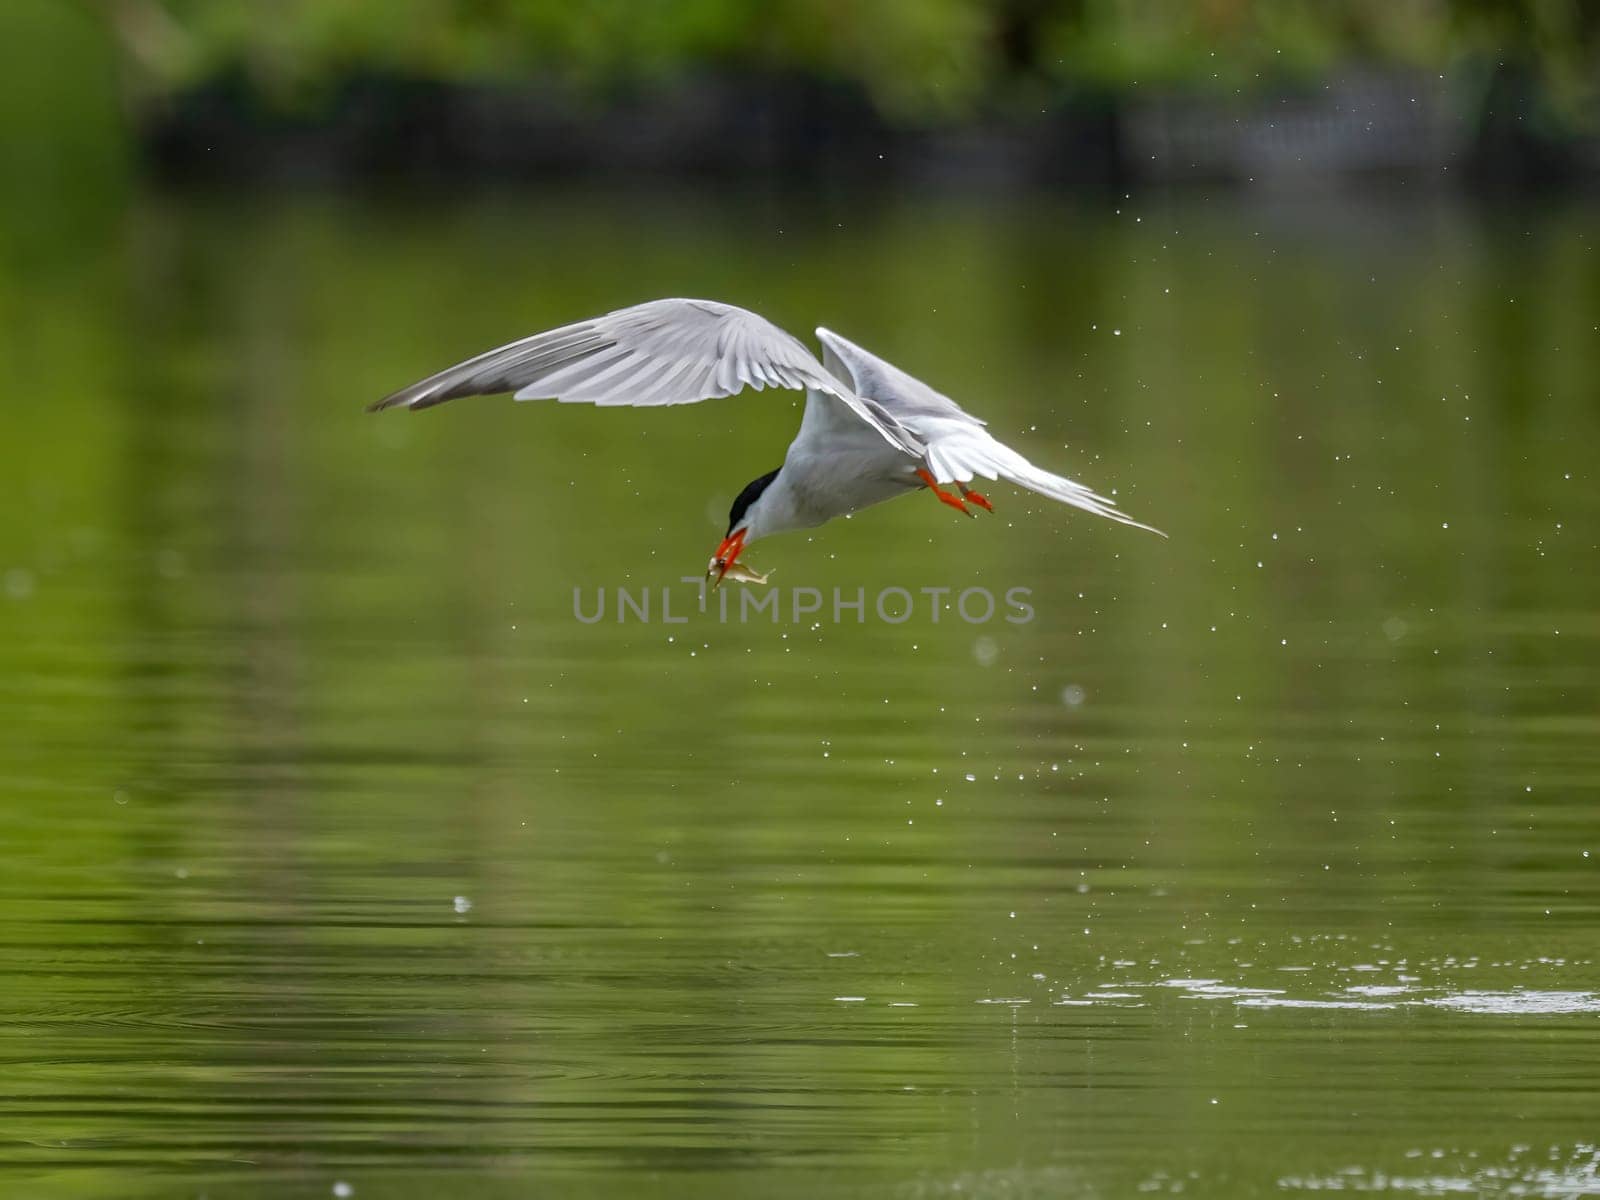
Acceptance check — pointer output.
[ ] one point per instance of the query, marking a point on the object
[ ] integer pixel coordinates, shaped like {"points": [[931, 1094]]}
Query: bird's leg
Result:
{"points": [[949, 498], [978, 498]]}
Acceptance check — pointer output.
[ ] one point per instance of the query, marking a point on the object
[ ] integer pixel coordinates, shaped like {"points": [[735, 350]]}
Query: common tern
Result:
{"points": [[870, 432]]}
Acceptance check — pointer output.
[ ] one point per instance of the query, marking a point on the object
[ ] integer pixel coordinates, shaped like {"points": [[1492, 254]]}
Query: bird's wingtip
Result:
{"points": [[405, 398]]}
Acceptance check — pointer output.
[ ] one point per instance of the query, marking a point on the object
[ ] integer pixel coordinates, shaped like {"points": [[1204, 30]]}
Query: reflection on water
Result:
{"points": [[338, 851], [1559, 1173]]}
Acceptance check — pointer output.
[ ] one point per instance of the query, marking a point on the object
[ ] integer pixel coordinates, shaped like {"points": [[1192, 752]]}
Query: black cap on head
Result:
{"points": [[743, 501]]}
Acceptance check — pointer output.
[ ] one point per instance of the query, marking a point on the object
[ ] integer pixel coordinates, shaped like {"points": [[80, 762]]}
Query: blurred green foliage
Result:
{"points": [[917, 57]]}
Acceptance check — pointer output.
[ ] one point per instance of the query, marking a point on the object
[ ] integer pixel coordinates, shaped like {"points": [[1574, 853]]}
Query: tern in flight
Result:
{"points": [[870, 432]]}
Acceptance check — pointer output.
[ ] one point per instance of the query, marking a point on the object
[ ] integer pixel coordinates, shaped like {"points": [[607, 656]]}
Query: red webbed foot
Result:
{"points": [[945, 497], [978, 498]]}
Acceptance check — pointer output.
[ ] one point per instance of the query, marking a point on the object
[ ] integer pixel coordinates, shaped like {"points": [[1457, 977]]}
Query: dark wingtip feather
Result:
{"points": [[405, 398]]}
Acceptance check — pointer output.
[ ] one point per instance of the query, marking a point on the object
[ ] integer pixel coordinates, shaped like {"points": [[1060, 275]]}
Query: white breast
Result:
{"points": [[835, 465]]}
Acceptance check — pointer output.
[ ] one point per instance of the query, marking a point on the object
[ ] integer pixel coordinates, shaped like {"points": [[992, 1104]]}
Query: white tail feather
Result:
{"points": [[956, 457]]}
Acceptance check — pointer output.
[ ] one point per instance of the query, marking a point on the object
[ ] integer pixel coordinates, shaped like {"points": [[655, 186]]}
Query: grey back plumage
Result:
{"points": [[903, 396]]}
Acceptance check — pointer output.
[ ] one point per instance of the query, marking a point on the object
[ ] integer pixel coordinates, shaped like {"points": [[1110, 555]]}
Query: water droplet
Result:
{"points": [[19, 583]]}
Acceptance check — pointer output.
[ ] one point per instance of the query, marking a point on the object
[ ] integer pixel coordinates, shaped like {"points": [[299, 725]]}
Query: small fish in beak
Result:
{"points": [[736, 571], [725, 563]]}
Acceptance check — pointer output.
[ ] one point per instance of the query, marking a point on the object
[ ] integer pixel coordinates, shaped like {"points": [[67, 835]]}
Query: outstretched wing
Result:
{"points": [[906, 397], [956, 445], [661, 352]]}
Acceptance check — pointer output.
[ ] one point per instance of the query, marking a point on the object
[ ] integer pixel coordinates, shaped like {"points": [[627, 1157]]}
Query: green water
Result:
{"points": [[340, 856]]}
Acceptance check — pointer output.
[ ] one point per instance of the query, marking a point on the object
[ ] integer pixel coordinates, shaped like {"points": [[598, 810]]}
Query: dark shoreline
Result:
{"points": [[794, 128]]}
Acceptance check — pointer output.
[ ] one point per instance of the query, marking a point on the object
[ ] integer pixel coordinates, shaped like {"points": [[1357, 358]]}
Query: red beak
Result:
{"points": [[728, 553]]}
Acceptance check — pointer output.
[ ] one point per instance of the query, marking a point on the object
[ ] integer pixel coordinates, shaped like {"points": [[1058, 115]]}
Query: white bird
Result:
{"points": [[870, 432]]}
